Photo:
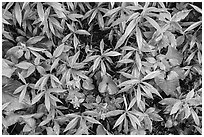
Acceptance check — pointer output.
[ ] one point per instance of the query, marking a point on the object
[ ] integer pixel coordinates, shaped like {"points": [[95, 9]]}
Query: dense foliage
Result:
{"points": [[101, 68]]}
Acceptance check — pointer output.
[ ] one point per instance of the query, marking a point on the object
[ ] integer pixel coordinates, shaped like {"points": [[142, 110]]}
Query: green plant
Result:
{"points": [[101, 68]]}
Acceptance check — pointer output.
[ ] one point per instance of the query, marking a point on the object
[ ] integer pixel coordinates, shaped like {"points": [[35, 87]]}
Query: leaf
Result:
{"points": [[40, 10], [112, 11], [195, 117], [128, 30], [151, 75], [190, 95], [71, 124], [100, 130], [36, 49], [139, 37], [6, 69], [10, 120], [194, 25], [147, 91], [133, 101], [18, 13], [92, 120], [14, 102], [100, 20], [55, 63], [168, 101], [102, 87], [138, 95], [96, 63], [176, 107], [168, 86], [23, 93], [112, 53], [133, 120], [155, 117], [82, 32], [114, 113], [112, 87], [129, 82], [148, 123], [92, 16], [126, 61], [120, 41], [119, 120], [21, 78], [4, 105], [120, 20], [66, 37], [37, 97], [55, 99], [180, 15], [153, 23], [101, 46], [34, 40], [56, 90], [24, 65], [130, 27], [152, 89], [197, 8], [58, 51], [47, 101]]}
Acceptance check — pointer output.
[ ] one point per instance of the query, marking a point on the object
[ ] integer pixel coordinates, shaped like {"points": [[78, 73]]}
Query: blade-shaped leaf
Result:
{"points": [[112, 53], [18, 13], [176, 107], [195, 117], [139, 37], [37, 97], [119, 120], [82, 32], [153, 23], [47, 101], [34, 40], [194, 25], [134, 119], [71, 124], [40, 11], [132, 102], [92, 120], [180, 15], [96, 63], [151, 75]]}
